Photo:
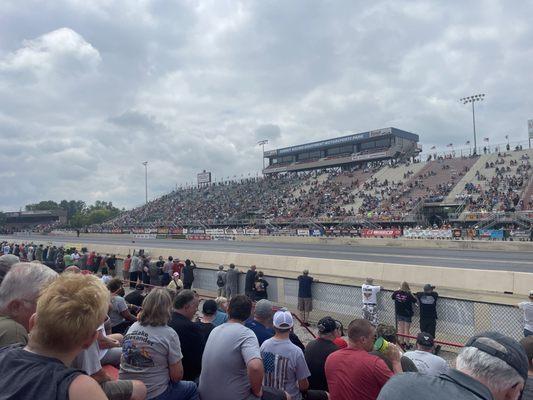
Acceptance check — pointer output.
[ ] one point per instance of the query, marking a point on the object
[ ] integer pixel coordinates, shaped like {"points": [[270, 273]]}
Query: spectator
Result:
{"points": [[354, 373], [191, 337], [125, 267], [262, 321], [67, 315], [370, 300], [112, 265], [249, 282], [135, 271], [388, 332], [232, 356], [89, 362], [18, 297], [403, 304], [136, 297], [527, 344], [260, 287], [205, 322], [428, 309], [339, 333], [145, 269], [284, 363], [167, 271], [318, 350], [159, 265], [152, 352], [188, 274], [105, 275], [175, 285], [490, 366], [305, 295], [232, 281], [426, 362], [221, 281], [527, 308], [221, 316], [119, 313], [6, 262]]}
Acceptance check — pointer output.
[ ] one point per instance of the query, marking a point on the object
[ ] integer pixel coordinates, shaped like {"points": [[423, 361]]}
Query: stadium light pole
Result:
{"points": [[146, 180], [472, 99], [262, 143]]}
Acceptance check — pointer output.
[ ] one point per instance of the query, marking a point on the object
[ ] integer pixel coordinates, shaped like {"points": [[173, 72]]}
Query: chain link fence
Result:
{"points": [[458, 319]]}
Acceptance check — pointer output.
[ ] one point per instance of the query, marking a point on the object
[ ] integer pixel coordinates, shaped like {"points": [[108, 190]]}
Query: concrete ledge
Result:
{"points": [[486, 285]]}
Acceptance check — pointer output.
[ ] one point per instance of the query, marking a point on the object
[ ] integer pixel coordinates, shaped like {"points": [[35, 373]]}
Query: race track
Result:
{"points": [[517, 261]]}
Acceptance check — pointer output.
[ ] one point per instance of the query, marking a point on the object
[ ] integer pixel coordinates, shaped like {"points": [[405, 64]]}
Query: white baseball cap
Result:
{"points": [[283, 320]]}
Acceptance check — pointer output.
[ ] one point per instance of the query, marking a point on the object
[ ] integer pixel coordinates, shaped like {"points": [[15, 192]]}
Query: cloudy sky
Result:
{"points": [[91, 89]]}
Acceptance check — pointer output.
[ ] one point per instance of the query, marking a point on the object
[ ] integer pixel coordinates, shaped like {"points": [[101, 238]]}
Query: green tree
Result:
{"points": [[43, 205]]}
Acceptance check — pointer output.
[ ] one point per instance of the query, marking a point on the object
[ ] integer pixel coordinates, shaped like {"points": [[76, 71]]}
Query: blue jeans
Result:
{"points": [[527, 333], [182, 390]]}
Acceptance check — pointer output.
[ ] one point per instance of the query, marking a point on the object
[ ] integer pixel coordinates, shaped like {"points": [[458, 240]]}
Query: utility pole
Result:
{"points": [[473, 99], [146, 180]]}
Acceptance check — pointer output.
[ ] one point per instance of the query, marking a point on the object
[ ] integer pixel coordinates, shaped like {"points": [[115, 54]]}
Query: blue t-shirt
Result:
{"points": [[304, 287], [263, 333], [220, 318]]}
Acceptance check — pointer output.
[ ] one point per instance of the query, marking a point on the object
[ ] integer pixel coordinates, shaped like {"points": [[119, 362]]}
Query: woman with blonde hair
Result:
{"points": [[151, 351], [403, 303]]}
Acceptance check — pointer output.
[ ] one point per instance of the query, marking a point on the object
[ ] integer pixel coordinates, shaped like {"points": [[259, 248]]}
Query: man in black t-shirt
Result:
{"points": [[428, 309], [305, 295], [249, 282], [136, 297], [318, 351]]}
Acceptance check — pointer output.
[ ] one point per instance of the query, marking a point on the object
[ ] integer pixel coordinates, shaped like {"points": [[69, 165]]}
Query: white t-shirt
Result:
{"points": [[527, 307], [370, 293], [427, 363], [7, 249]]}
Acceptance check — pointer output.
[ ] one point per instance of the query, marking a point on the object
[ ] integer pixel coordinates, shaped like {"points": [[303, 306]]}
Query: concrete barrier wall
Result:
{"points": [[464, 282]]}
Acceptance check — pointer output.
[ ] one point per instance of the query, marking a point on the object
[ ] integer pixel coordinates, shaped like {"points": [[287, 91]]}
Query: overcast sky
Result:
{"points": [[91, 89]]}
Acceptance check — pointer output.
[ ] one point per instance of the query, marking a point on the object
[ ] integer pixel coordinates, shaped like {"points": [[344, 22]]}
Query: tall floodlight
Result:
{"points": [[473, 99], [146, 180], [262, 143]]}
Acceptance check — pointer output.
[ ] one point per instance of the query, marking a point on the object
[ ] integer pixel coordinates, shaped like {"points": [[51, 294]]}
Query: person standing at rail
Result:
{"points": [[370, 300], [305, 295], [527, 308], [188, 274], [232, 282], [403, 303], [249, 282], [428, 309]]}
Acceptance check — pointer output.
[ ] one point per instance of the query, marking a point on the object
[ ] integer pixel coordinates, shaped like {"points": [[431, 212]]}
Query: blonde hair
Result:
{"points": [[405, 287], [221, 300], [157, 308], [69, 311]]}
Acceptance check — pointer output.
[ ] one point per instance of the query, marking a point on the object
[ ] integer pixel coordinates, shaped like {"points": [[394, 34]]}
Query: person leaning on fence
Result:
{"points": [[428, 309], [305, 295], [232, 282], [221, 281], [403, 304], [527, 308], [491, 366], [370, 299]]}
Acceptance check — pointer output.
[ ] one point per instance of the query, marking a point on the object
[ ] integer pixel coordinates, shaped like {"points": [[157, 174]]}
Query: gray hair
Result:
{"points": [[24, 281], [496, 374], [6, 262]]}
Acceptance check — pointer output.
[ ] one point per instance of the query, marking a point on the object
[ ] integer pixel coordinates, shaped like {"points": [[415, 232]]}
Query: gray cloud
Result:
{"points": [[88, 90]]}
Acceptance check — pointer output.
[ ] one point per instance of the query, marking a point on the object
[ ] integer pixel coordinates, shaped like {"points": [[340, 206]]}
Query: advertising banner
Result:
{"points": [[162, 231], [204, 177], [176, 231], [251, 231], [196, 231], [491, 234], [215, 231], [428, 233], [315, 232], [381, 233], [198, 236], [234, 231], [302, 232], [145, 236], [519, 234]]}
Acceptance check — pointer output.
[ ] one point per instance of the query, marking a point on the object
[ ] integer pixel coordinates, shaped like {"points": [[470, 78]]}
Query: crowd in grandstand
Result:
{"points": [[73, 336]]}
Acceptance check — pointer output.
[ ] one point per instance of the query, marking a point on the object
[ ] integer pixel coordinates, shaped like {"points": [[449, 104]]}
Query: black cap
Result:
{"points": [[425, 339], [505, 348], [209, 307], [327, 325]]}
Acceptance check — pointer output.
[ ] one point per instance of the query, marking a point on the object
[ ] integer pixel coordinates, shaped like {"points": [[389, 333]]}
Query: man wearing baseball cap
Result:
{"points": [[527, 308], [428, 309], [318, 350], [424, 358], [491, 366], [284, 362]]}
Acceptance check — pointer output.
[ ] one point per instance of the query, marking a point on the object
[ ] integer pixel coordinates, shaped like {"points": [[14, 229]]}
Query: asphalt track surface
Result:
{"points": [[518, 261]]}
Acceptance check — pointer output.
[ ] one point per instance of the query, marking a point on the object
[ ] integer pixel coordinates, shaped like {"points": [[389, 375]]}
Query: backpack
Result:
{"points": [[220, 281]]}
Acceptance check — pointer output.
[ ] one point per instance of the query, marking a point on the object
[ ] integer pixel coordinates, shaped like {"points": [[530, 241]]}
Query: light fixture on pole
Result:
{"points": [[146, 180], [473, 99], [262, 143]]}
